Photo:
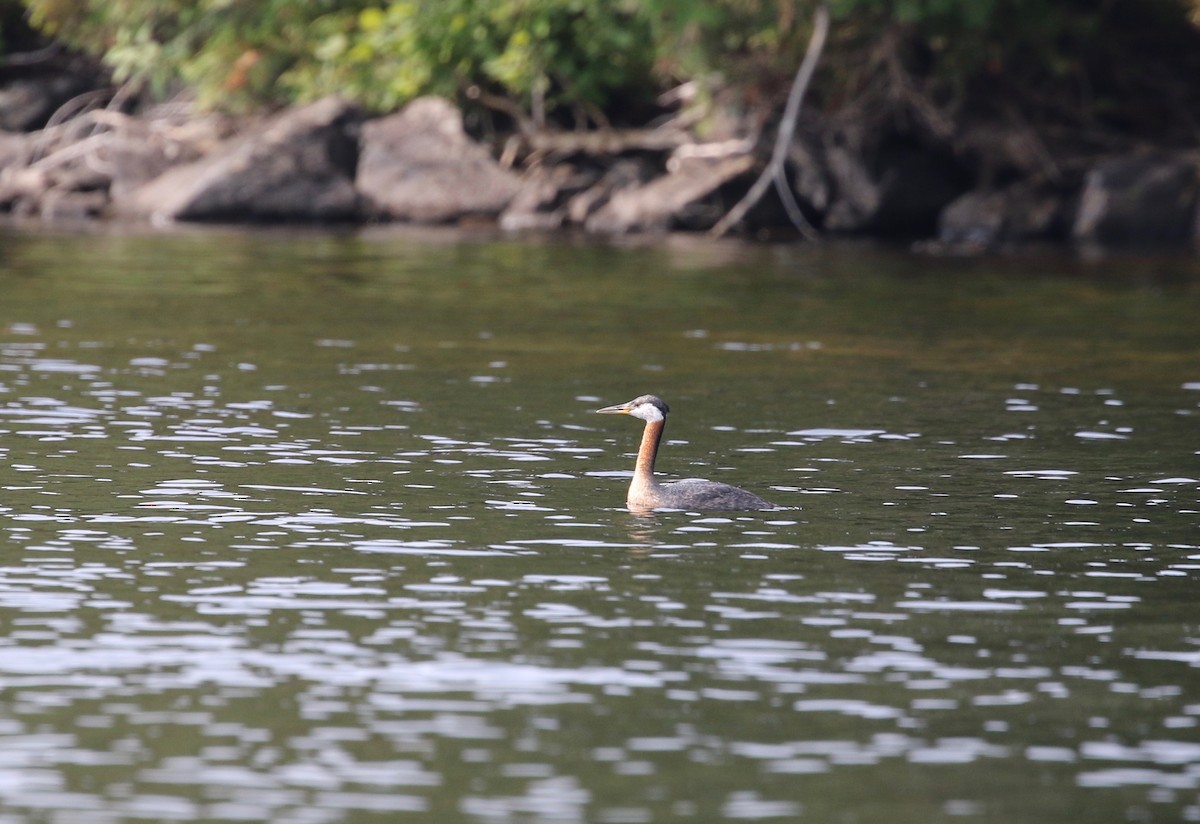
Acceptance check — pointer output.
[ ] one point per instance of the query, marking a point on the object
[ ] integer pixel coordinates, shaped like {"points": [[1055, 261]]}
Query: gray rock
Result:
{"points": [[1022, 212], [974, 219], [420, 165], [1139, 199], [298, 166]]}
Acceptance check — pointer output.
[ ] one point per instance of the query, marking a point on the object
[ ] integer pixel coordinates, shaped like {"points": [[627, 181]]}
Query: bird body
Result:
{"points": [[646, 493]]}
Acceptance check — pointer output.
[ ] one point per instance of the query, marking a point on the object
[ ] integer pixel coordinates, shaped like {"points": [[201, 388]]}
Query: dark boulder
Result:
{"points": [[419, 165], [1022, 212], [898, 190], [298, 166], [1139, 200]]}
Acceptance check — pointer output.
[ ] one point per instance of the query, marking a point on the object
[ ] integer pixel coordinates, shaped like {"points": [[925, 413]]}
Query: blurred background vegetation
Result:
{"points": [[1111, 64]]}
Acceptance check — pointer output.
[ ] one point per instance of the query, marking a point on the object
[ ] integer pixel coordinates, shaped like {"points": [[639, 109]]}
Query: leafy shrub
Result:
{"points": [[380, 53], [597, 55], [540, 52], [230, 52]]}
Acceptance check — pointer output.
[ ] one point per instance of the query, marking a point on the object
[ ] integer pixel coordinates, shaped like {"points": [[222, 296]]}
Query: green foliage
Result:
{"points": [[230, 52], [595, 55], [558, 51], [700, 37], [380, 53], [561, 52]]}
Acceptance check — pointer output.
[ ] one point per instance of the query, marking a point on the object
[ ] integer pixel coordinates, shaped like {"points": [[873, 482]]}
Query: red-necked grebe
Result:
{"points": [[692, 493]]}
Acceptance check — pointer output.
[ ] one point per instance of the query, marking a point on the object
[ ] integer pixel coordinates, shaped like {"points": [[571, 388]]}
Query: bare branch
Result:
{"points": [[783, 139]]}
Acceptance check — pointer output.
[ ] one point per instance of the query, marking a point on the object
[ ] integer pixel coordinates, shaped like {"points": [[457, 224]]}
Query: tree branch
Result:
{"points": [[783, 139]]}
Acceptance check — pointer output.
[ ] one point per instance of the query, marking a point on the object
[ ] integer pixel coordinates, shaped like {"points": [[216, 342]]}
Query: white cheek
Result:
{"points": [[647, 412]]}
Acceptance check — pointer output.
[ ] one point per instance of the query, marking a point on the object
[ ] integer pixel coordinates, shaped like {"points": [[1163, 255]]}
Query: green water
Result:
{"points": [[320, 527]]}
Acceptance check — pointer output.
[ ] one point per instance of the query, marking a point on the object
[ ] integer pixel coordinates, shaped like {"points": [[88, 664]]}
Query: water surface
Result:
{"points": [[316, 527]]}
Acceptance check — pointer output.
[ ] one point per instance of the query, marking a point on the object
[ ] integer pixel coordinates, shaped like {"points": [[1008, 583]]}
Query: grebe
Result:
{"points": [[692, 493]]}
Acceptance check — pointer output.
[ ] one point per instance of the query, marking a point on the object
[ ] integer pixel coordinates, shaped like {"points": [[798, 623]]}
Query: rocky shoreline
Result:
{"points": [[330, 162]]}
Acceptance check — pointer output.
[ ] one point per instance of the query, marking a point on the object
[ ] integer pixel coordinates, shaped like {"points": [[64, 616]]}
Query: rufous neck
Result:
{"points": [[648, 451]]}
